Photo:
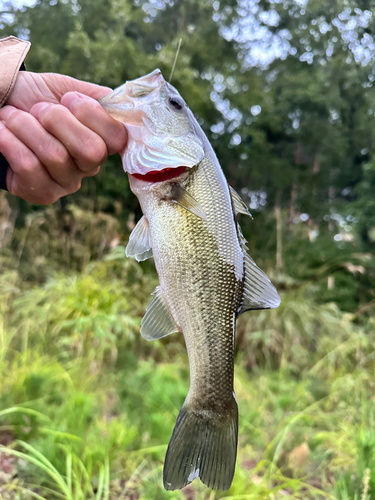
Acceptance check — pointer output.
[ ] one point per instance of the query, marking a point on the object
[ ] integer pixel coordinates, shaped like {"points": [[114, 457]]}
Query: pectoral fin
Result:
{"points": [[183, 198], [259, 292], [238, 203], [157, 322], [139, 242]]}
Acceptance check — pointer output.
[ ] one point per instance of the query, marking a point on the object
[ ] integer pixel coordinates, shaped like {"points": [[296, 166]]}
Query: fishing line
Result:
{"points": [[180, 29], [175, 60]]}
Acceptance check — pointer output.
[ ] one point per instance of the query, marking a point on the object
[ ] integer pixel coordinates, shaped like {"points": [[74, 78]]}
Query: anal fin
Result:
{"points": [[259, 292], [157, 322], [139, 242]]}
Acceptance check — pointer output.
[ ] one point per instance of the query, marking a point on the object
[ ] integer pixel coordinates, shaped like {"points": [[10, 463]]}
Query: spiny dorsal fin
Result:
{"points": [[139, 242], [157, 322], [183, 198], [238, 203], [259, 292]]}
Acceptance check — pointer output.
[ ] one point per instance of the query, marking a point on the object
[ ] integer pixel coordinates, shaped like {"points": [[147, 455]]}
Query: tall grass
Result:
{"points": [[87, 423], [87, 407]]}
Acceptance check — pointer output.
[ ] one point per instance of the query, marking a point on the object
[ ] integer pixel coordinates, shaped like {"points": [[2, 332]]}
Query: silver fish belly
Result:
{"points": [[206, 280]]}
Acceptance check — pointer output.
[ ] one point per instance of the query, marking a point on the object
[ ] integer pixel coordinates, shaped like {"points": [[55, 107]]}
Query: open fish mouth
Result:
{"points": [[122, 102], [161, 175], [162, 135]]}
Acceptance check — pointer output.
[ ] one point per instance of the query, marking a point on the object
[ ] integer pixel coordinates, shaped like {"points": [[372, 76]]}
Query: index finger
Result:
{"points": [[89, 112]]}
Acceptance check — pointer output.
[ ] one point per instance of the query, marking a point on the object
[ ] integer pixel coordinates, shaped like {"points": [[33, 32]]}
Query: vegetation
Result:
{"points": [[284, 90]]}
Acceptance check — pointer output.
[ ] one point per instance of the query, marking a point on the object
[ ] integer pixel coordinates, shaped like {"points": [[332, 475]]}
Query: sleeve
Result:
{"points": [[12, 54]]}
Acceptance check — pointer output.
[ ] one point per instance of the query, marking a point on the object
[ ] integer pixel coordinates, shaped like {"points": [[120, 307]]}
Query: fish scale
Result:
{"points": [[206, 277], [188, 266]]}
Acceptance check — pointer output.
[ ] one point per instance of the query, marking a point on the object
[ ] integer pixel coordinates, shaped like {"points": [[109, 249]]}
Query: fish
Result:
{"points": [[207, 278]]}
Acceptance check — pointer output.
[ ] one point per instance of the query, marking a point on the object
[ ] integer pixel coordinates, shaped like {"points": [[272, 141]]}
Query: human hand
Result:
{"points": [[51, 147]]}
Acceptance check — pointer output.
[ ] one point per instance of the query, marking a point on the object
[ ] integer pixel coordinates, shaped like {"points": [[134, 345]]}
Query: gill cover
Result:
{"points": [[160, 132]]}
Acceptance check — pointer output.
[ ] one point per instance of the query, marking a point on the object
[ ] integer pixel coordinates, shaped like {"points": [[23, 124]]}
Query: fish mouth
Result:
{"points": [[152, 80], [121, 104], [161, 175], [144, 85]]}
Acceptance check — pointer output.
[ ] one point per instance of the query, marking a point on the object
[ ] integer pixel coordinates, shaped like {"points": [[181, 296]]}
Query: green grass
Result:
{"points": [[87, 407]]}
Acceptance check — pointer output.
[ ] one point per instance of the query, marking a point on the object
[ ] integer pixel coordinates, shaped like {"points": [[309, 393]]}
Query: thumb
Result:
{"points": [[32, 88], [61, 84]]}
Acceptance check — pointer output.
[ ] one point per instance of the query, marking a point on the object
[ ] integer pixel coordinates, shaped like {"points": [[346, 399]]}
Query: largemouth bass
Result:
{"points": [[206, 276]]}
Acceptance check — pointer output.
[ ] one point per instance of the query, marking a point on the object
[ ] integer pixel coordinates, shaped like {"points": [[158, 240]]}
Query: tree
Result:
{"points": [[284, 91]]}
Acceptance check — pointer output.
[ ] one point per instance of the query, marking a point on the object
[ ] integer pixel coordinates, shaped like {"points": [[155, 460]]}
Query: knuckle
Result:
{"points": [[99, 155], [95, 152], [44, 200], [41, 197], [93, 172], [60, 157], [118, 139], [48, 198], [75, 186], [29, 164]]}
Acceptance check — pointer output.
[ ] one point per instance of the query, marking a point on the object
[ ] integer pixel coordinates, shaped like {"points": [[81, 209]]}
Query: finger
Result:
{"points": [[50, 152], [89, 112], [31, 88], [26, 176], [86, 147], [61, 84]]}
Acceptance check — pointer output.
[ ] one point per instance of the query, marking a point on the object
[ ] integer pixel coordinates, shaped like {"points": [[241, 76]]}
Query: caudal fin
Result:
{"points": [[204, 445]]}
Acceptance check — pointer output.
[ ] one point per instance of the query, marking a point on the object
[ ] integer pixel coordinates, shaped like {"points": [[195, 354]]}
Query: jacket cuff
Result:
{"points": [[3, 172], [12, 54]]}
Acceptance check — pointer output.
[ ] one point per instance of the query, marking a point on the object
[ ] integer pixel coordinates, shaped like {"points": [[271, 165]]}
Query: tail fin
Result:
{"points": [[204, 445]]}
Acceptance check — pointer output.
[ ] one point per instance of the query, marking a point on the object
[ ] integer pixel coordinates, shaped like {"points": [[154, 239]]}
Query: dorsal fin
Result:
{"points": [[259, 292], [139, 245], [157, 322], [238, 203]]}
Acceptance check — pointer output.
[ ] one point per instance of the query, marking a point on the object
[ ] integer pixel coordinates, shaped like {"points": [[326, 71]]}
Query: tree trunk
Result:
{"points": [[279, 232], [292, 205]]}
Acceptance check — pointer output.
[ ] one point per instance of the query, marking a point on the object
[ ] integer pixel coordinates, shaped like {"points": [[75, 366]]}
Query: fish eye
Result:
{"points": [[176, 102]]}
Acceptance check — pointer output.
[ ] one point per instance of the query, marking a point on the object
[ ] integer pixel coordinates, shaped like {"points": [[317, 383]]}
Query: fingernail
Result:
{"points": [[73, 97], [6, 112], [43, 105], [38, 108]]}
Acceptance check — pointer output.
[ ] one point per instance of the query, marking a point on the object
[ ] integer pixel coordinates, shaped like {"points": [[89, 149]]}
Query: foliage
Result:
{"points": [[306, 115], [88, 424], [284, 91]]}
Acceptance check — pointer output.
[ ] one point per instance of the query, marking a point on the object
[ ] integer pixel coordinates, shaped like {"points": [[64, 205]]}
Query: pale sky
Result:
{"points": [[16, 3]]}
